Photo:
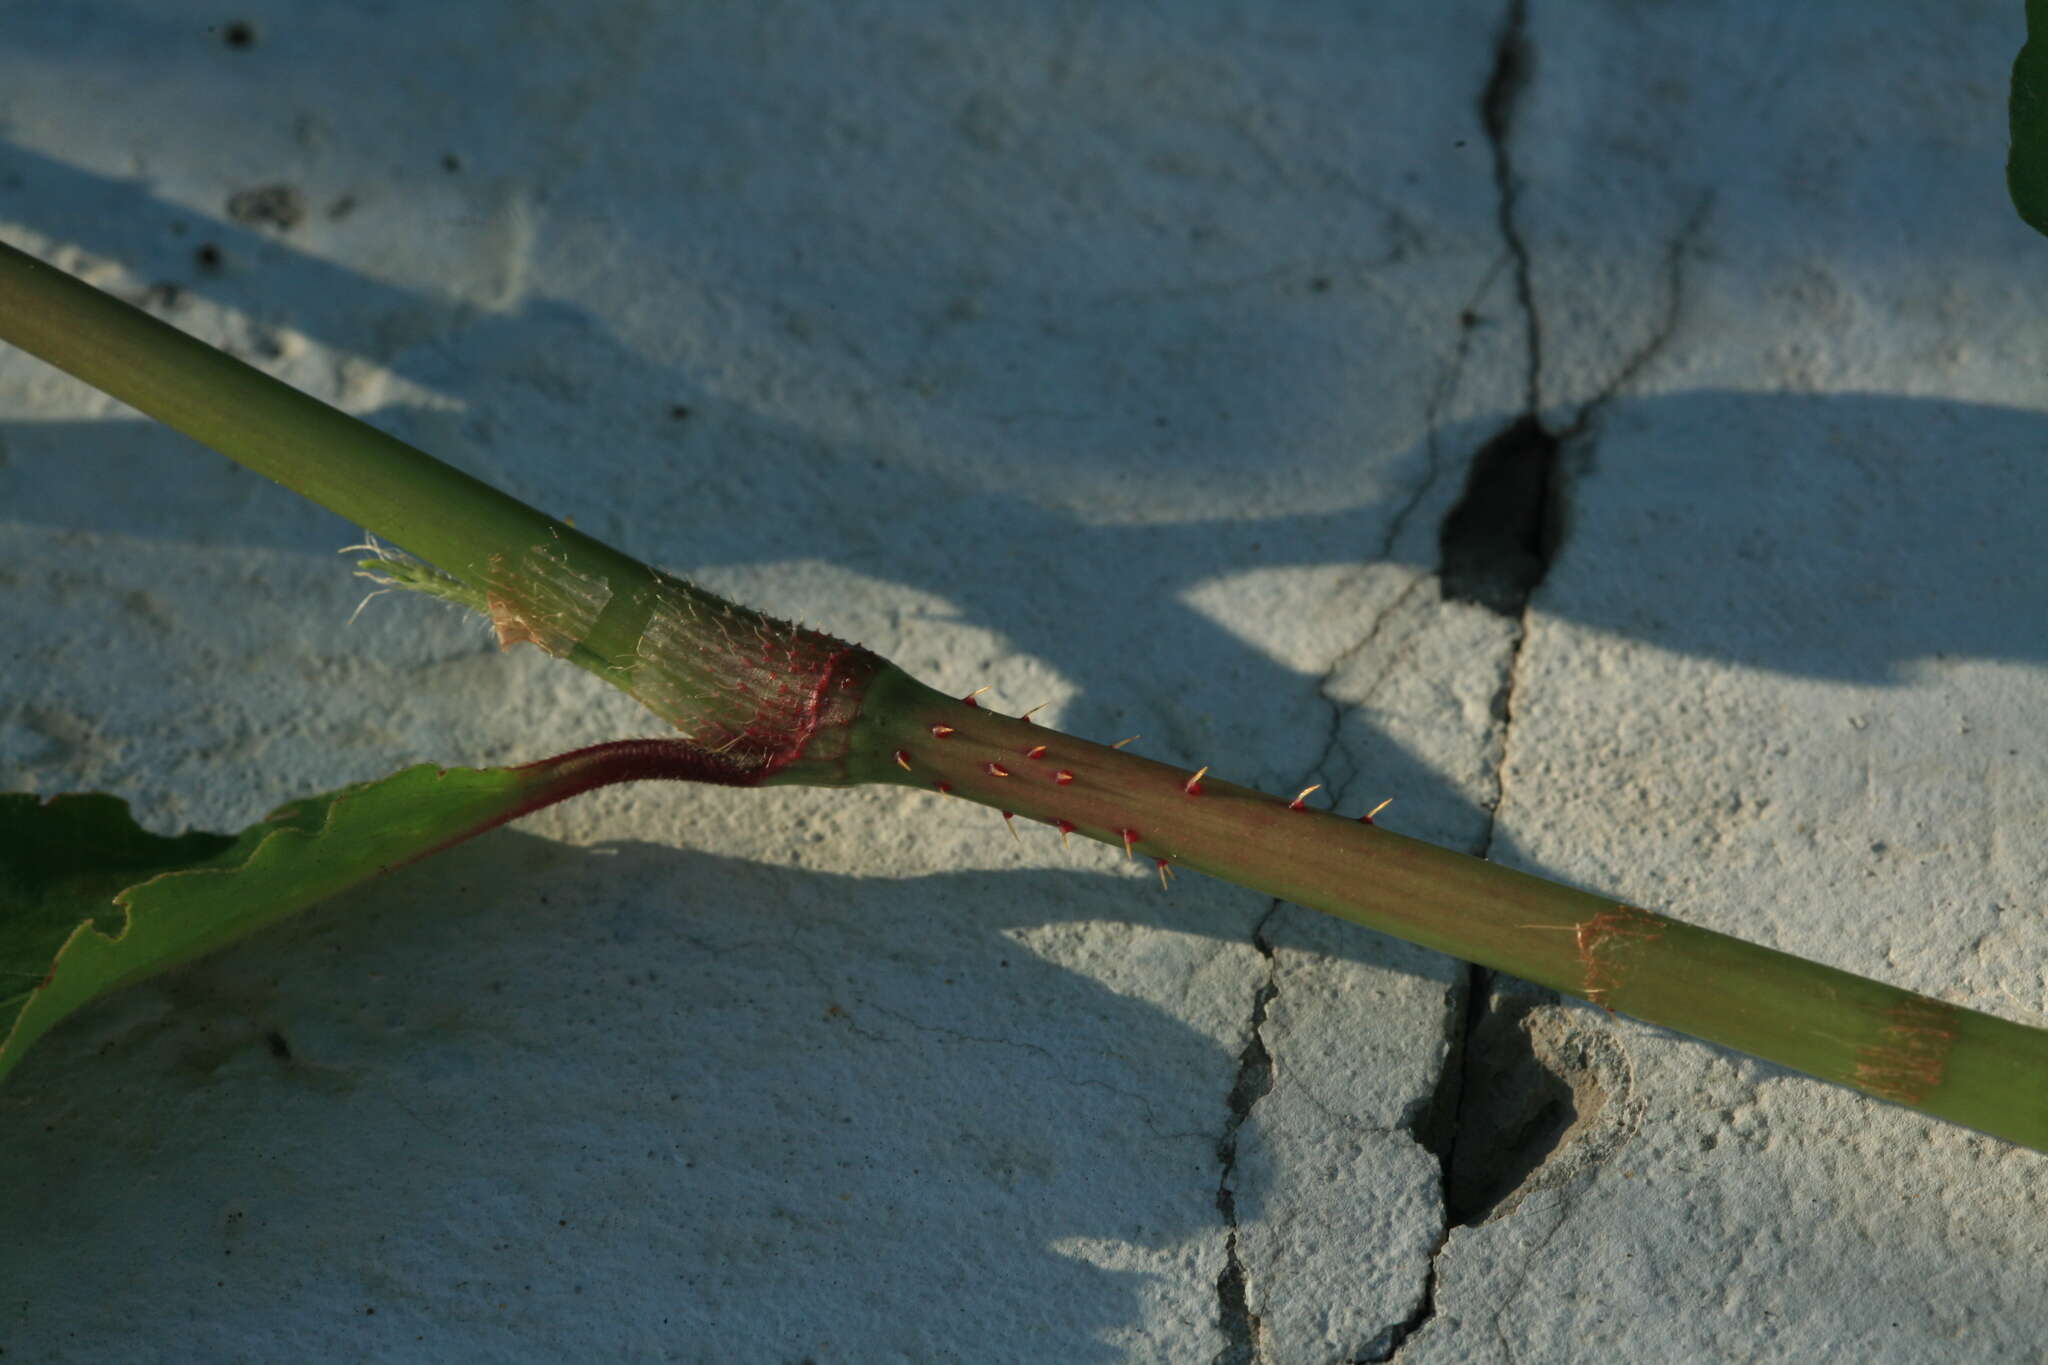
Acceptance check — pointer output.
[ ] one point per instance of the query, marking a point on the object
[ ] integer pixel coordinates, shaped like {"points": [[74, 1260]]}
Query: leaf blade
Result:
{"points": [[2026, 166], [99, 903]]}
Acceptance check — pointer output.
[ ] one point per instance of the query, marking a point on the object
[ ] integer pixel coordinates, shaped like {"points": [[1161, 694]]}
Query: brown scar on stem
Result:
{"points": [[1910, 1057], [511, 625], [541, 601], [1599, 938]]}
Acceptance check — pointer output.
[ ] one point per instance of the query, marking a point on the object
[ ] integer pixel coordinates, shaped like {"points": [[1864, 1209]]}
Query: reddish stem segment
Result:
{"points": [[1958, 1064]]}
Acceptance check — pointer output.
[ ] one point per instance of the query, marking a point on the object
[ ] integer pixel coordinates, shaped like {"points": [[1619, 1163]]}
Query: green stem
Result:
{"points": [[349, 467], [759, 695], [1926, 1054], [763, 701]]}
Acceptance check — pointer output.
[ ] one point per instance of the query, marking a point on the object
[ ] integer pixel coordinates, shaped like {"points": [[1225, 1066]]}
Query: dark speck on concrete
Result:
{"points": [[280, 206]]}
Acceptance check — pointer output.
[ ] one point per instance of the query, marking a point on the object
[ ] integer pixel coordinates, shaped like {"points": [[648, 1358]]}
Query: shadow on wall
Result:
{"points": [[524, 1085], [828, 1021], [1911, 522]]}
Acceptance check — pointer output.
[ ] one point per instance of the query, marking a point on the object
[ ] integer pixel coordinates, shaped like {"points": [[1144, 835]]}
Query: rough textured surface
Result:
{"points": [[1130, 362]]}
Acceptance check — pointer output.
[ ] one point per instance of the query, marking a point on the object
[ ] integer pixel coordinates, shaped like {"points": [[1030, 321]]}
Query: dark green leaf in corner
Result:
{"points": [[89, 901], [2026, 165]]}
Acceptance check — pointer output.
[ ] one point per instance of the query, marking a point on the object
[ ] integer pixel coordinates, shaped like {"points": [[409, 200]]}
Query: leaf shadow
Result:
{"points": [[1922, 552], [595, 1061]]}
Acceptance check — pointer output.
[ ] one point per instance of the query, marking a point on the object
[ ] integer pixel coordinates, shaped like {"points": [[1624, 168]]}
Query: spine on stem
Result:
{"points": [[1955, 1063]]}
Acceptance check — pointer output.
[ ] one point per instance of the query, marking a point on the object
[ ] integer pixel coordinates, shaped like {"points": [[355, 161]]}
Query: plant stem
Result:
{"points": [[760, 700], [757, 694], [406, 495], [1913, 1050]]}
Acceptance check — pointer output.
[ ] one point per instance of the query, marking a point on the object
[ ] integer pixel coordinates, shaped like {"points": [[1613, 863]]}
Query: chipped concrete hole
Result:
{"points": [[1544, 1094], [1534, 1093], [1497, 542]]}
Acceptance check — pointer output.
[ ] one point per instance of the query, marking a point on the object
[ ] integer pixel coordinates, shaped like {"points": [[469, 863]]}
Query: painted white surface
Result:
{"points": [[1123, 360]]}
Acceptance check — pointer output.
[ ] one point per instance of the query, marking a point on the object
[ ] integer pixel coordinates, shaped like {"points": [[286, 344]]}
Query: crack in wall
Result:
{"points": [[1496, 545], [1671, 314], [1338, 788], [1512, 64], [1520, 451], [1241, 1327], [1441, 395]]}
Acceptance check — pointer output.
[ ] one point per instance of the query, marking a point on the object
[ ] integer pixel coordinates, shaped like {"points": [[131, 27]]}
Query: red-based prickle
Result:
{"points": [[1010, 823], [1130, 838], [943, 788], [1063, 777], [995, 770], [903, 759], [1165, 872], [1065, 827], [1035, 751], [1193, 786], [1301, 802], [940, 730]]}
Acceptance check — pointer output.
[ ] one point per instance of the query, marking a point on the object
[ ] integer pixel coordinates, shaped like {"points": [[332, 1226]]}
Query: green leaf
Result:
{"points": [[2026, 165], [89, 901]]}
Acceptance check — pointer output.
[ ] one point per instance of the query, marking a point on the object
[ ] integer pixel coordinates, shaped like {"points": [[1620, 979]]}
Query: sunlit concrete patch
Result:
{"points": [[1300, 616], [1120, 360]]}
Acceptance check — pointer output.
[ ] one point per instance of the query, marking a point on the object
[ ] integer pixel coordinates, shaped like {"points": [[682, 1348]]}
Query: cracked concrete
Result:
{"points": [[1607, 430], [1505, 83]]}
